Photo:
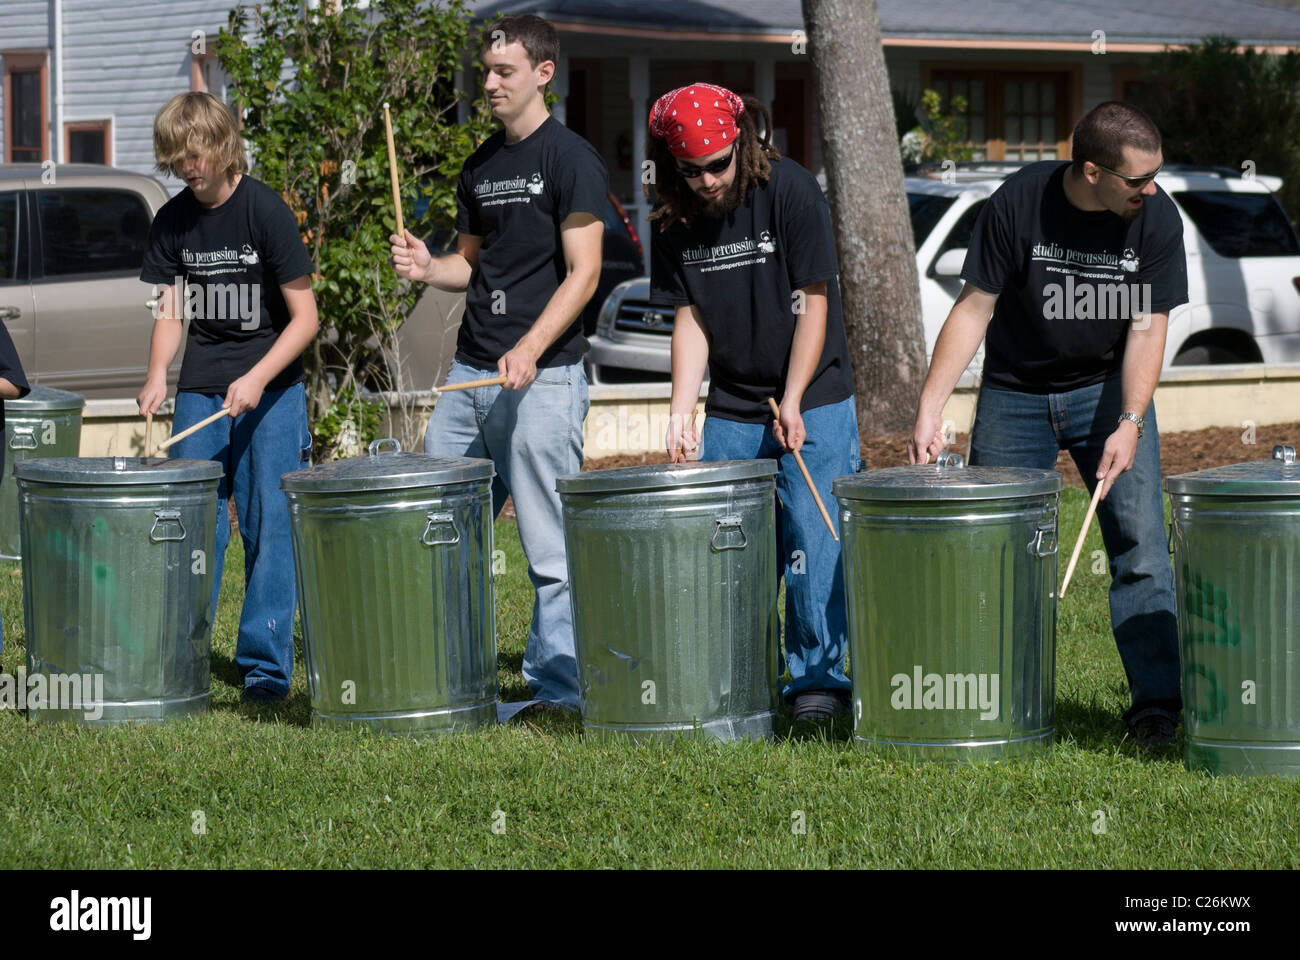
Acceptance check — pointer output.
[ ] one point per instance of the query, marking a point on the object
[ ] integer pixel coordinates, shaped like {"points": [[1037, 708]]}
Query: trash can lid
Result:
{"points": [[1278, 476], [949, 479], [46, 398], [386, 470], [659, 476], [115, 470]]}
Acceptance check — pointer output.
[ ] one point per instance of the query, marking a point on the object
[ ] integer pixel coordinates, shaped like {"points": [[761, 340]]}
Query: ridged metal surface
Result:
{"points": [[674, 602], [959, 590], [111, 588], [399, 636], [29, 434], [1237, 575]]}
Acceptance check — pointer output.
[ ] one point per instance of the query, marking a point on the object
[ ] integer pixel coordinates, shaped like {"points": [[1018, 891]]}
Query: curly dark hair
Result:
{"points": [[754, 153]]}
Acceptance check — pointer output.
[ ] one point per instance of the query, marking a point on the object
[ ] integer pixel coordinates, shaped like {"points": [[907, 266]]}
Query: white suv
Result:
{"points": [[1243, 274]]}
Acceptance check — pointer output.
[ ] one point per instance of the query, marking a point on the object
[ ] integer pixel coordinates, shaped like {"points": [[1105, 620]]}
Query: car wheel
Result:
{"points": [[1207, 353]]}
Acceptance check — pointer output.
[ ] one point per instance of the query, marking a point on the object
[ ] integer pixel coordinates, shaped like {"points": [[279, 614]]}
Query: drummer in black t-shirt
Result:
{"points": [[1072, 270], [743, 249]]}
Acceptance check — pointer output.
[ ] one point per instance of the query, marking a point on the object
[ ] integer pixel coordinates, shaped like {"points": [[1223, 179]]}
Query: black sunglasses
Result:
{"points": [[714, 168], [1130, 181]]}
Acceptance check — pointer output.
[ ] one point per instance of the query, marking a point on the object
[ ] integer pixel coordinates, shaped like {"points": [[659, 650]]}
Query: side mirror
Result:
{"points": [[949, 265]]}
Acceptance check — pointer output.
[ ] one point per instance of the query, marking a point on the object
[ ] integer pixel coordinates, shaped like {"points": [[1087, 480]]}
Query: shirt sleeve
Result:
{"points": [[162, 263], [11, 367], [807, 238], [286, 254], [667, 286], [1164, 261], [582, 184], [991, 258], [467, 221]]}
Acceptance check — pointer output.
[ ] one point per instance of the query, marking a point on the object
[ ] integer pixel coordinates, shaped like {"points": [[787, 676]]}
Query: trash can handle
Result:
{"points": [[24, 438], [949, 460], [1283, 451], [441, 520], [1044, 542], [164, 517], [729, 522], [377, 445]]}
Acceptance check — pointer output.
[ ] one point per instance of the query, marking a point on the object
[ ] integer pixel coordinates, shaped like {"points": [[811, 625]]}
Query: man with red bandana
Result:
{"points": [[742, 249]]}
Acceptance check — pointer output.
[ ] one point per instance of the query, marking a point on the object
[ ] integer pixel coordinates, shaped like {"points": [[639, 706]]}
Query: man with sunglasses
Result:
{"points": [[1071, 273], [742, 248]]}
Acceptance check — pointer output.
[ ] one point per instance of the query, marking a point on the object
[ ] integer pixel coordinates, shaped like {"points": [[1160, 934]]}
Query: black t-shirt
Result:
{"points": [[515, 196], [11, 369], [232, 260], [742, 270], [1069, 281]]}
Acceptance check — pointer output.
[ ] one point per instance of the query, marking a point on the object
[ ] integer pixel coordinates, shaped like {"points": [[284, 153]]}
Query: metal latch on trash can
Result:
{"points": [[726, 532], [441, 529], [24, 438], [164, 519], [1283, 451], [1044, 542]]}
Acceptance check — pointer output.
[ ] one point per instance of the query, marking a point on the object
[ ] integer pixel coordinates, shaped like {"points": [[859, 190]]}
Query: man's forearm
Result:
{"points": [[166, 340], [806, 348], [561, 310], [690, 361], [953, 351], [451, 273], [1144, 355]]}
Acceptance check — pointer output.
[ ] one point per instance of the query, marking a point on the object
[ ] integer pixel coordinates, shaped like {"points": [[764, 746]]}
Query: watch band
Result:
{"points": [[1141, 424]]}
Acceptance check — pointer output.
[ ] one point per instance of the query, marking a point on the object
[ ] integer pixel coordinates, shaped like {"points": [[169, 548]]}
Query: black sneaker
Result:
{"points": [[814, 706], [1154, 731], [260, 696]]}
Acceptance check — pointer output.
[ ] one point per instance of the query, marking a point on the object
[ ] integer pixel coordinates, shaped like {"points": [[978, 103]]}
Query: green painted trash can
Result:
{"points": [[672, 575], [393, 558], [950, 578], [117, 584], [45, 423], [1236, 544]]}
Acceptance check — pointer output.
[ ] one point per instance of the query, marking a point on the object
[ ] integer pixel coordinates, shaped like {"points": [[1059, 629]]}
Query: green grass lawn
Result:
{"points": [[274, 792]]}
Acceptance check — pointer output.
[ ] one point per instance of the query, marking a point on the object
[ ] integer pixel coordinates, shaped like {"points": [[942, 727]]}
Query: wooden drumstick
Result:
{"points": [[776, 412], [470, 384], [194, 429], [1078, 544], [148, 434], [392, 173]]}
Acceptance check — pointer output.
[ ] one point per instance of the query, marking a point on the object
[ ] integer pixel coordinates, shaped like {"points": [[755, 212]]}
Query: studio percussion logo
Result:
{"points": [[76, 913], [53, 691]]}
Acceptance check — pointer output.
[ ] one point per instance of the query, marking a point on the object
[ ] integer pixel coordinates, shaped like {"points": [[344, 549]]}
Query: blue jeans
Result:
{"points": [[255, 450], [1027, 430], [532, 436], [816, 620]]}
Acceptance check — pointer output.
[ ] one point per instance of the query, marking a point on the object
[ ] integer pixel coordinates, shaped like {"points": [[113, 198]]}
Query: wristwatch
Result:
{"points": [[1141, 424]]}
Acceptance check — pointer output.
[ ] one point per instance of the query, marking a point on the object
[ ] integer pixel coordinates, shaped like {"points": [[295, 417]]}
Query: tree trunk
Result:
{"points": [[879, 288]]}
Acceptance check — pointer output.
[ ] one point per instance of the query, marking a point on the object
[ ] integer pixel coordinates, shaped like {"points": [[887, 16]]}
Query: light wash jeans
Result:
{"points": [[532, 436], [816, 620], [254, 450], [1017, 429]]}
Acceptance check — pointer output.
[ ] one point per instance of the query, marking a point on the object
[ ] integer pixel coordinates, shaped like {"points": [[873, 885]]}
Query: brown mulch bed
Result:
{"points": [[1179, 453]]}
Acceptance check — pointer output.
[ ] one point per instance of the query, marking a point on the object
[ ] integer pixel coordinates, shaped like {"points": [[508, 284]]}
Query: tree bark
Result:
{"points": [[879, 288]]}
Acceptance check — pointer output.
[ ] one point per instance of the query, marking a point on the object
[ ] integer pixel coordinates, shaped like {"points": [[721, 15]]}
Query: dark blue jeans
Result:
{"points": [[255, 450], [1016, 429], [816, 620]]}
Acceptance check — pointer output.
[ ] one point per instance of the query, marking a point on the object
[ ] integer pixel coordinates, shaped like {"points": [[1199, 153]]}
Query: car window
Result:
{"points": [[1240, 224], [926, 210], [959, 236], [13, 259], [92, 230]]}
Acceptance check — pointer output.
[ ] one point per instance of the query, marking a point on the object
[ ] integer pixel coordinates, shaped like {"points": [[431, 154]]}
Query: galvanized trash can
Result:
{"points": [[45, 423], [672, 572], [1236, 544], [117, 583], [950, 577], [393, 557]]}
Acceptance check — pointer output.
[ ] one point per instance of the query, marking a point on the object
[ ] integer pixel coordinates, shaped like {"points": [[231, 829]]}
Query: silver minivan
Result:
{"points": [[72, 239]]}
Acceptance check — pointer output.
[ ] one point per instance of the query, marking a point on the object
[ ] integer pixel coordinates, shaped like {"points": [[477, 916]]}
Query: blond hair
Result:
{"points": [[198, 123]]}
